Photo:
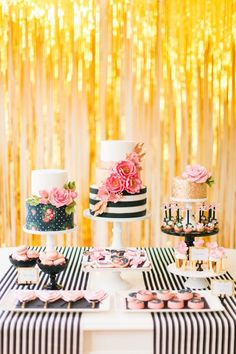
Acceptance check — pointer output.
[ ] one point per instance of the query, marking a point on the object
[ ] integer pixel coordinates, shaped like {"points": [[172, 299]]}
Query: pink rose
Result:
{"points": [[125, 169], [114, 198], [59, 197], [196, 173], [133, 184], [114, 183], [43, 193], [43, 200]]}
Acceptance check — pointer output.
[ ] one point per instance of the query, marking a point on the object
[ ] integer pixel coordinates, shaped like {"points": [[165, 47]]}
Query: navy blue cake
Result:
{"points": [[52, 204]]}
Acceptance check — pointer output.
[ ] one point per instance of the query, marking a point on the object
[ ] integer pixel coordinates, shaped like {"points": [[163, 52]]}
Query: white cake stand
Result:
{"points": [[196, 279], [117, 226], [111, 279], [50, 235]]}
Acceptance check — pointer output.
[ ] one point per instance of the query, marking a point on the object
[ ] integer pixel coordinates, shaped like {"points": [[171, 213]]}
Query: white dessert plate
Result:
{"points": [[213, 302], [9, 303]]}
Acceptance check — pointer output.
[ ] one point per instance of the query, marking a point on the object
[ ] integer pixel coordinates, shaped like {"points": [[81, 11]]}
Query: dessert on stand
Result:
{"points": [[118, 196], [189, 216], [50, 208]]}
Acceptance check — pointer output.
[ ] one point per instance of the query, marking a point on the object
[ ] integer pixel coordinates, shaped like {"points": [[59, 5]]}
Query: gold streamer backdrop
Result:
{"points": [[75, 72]]}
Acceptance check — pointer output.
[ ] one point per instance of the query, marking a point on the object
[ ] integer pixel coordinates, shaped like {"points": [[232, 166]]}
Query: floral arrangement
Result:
{"points": [[57, 196], [125, 176], [198, 174], [181, 248]]}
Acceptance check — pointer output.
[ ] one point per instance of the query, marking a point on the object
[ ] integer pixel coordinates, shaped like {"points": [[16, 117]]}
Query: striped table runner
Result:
{"points": [[189, 333], [48, 333]]}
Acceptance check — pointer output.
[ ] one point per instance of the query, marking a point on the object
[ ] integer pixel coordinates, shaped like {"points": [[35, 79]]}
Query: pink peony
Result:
{"points": [[196, 173], [115, 197], [43, 193], [134, 157], [133, 184], [60, 197], [115, 183], [125, 169], [103, 193]]}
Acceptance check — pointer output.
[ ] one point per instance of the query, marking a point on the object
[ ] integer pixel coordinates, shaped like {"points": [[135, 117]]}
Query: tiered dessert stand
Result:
{"points": [[111, 277], [50, 235], [196, 279]]}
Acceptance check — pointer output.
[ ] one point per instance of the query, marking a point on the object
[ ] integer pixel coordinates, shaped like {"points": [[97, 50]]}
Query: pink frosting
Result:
{"points": [[199, 242], [114, 183], [60, 197], [181, 248], [196, 173], [72, 295], [126, 169], [48, 295], [25, 295]]}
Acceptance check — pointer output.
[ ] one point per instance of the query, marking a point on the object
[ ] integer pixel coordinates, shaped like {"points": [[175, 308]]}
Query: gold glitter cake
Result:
{"points": [[182, 189]]}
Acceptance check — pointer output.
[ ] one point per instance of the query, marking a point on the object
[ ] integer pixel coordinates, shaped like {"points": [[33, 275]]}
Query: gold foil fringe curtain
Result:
{"points": [[75, 72]]}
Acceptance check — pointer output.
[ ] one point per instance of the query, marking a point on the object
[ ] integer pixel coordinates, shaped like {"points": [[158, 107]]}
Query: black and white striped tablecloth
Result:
{"points": [[48, 333], [189, 333]]}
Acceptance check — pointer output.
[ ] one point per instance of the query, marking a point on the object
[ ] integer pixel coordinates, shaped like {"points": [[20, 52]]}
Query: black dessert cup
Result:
{"points": [[18, 264], [52, 271]]}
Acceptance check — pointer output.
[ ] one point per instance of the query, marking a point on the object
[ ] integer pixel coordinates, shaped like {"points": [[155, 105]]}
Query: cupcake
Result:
{"points": [[200, 227], [209, 227], [181, 255], [178, 227], [188, 228]]}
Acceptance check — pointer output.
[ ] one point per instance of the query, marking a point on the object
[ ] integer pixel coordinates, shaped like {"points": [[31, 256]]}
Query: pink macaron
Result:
{"points": [[164, 294], [155, 304], [196, 303], [21, 257], [175, 303], [132, 296], [144, 295], [184, 294], [135, 305], [32, 254], [52, 255], [46, 262], [21, 249], [59, 261]]}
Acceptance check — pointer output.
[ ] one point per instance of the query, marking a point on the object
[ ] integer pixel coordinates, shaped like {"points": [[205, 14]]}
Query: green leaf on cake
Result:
{"points": [[210, 181], [34, 200], [70, 208]]}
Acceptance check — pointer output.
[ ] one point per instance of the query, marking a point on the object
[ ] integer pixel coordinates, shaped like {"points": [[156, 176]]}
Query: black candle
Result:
{"points": [[165, 212], [169, 211], [187, 216], [214, 213], [178, 215], [209, 214]]}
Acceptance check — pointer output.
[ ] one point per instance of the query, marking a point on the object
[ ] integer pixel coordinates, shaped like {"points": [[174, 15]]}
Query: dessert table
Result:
{"points": [[116, 331]]}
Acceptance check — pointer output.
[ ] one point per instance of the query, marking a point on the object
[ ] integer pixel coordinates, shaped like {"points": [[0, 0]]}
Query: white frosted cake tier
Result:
{"points": [[116, 150], [47, 179]]}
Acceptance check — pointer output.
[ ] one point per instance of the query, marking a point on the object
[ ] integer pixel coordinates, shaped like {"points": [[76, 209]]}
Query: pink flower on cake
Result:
{"points": [[196, 173], [114, 198], [126, 169], [43, 200], [133, 184], [43, 193], [59, 197], [103, 193], [115, 183]]}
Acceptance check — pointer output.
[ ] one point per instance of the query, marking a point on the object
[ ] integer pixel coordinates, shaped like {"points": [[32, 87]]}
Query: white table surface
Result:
{"points": [[117, 332]]}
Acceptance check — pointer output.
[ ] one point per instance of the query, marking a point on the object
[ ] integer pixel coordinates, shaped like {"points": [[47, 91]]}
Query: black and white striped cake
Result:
{"points": [[129, 206]]}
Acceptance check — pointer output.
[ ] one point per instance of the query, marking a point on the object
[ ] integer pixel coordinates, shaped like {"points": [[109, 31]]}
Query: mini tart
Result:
{"points": [[175, 303], [196, 303], [164, 295], [135, 305], [155, 304], [144, 295], [132, 296], [184, 294]]}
